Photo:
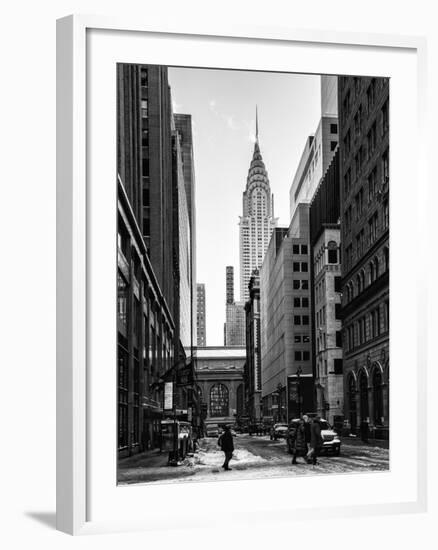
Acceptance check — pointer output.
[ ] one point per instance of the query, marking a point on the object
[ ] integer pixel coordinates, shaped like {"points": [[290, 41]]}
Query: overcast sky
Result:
{"points": [[222, 104]]}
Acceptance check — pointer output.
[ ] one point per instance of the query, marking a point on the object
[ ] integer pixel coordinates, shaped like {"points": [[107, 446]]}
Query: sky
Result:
{"points": [[223, 106]]}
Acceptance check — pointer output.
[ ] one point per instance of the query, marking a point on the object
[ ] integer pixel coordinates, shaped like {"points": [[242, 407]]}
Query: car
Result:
{"points": [[278, 431], [212, 430], [332, 443]]}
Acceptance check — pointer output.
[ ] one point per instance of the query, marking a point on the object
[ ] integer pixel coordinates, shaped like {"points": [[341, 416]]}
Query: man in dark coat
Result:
{"points": [[227, 446], [300, 438], [316, 441]]}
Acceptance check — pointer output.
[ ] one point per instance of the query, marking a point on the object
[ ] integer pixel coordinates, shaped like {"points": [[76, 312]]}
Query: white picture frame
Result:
{"points": [[77, 408]]}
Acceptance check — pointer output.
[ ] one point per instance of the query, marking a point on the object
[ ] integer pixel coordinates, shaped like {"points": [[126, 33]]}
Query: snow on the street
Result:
{"points": [[253, 458]]}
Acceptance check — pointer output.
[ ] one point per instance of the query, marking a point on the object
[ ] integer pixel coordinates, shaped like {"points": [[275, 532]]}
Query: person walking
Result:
{"points": [[300, 436], [316, 441], [227, 446]]}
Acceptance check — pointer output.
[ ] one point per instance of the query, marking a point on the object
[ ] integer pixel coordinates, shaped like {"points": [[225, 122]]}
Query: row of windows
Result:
{"points": [[300, 266], [301, 302], [299, 249], [367, 276], [370, 326]]}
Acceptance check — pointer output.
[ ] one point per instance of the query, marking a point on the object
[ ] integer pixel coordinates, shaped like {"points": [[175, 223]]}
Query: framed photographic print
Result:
{"points": [[231, 204]]}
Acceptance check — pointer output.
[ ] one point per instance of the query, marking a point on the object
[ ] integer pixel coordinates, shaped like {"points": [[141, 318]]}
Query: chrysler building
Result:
{"points": [[257, 222]]}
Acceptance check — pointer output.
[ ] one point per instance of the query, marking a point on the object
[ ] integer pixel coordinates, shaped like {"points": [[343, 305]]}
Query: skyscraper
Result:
{"points": [[230, 284], [200, 317], [234, 329], [257, 222]]}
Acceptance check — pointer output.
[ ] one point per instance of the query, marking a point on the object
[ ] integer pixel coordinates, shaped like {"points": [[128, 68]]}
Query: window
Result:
{"points": [[297, 302], [304, 249], [337, 311], [305, 284], [304, 267], [298, 356], [371, 140], [296, 266], [332, 252], [305, 302], [297, 339], [219, 400], [347, 143], [305, 319], [145, 137], [306, 355], [145, 166], [296, 249], [348, 219], [333, 128], [338, 366], [297, 320], [306, 338], [372, 224], [385, 167], [372, 184], [296, 284], [347, 181], [122, 300], [371, 94], [385, 118], [337, 281], [144, 108], [333, 145], [358, 202], [338, 339], [385, 214]]}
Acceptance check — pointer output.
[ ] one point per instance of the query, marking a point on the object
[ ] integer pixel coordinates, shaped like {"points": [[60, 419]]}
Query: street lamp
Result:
{"points": [[299, 373], [279, 388]]}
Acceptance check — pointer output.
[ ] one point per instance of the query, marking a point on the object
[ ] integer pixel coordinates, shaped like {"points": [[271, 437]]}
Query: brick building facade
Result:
{"points": [[363, 105]]}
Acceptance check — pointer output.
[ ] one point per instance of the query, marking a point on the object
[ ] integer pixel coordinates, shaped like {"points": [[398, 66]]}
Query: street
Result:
{"points": [[253, 457]]}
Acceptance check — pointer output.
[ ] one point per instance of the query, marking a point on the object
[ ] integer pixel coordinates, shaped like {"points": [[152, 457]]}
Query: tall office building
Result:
{"points": [[326, 296], [319, 148], [229, 284], [183, 124], [201, 333], [364, 174], [257, 222], [234, 328], [285, 321], [252, 371]]}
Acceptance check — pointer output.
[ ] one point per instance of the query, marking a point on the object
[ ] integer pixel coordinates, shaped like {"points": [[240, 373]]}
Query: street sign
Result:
{"points": [[168, 395]]}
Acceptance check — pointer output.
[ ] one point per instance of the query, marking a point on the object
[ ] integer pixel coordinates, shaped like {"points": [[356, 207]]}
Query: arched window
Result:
{"points": [[363, 389], [352, 403], [359, 284], [219, 400], [377, 396], [376, 267], [386, 258], [332, 252], [372, 277]]}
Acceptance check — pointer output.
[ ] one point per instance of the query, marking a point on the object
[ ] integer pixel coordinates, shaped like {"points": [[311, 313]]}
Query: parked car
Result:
{"points": [[279, 431], [212, 430], [332, 443]]}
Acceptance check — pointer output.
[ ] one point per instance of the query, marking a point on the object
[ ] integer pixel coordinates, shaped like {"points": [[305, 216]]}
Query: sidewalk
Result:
{"points": [[381, 443]]}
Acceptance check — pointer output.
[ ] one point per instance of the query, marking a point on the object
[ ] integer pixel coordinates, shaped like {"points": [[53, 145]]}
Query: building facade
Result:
{"points": [[183, 125], [253, 371], [220, 386], [257, 221], [319, 148], [326, 296], [201, 331], [153, 264], [286, 335], [364, 172], [234, 327]]}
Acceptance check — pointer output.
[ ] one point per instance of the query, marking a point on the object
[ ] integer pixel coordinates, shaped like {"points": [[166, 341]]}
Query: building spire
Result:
{"points": [[257, 126]]}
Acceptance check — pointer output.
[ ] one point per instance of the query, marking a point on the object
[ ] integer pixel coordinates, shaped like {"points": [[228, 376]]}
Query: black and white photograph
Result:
{"points": [[252, 274]]}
